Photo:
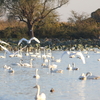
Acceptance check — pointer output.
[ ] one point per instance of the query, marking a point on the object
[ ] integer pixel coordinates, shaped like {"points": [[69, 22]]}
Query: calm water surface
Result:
{"points": [[67, 86]]}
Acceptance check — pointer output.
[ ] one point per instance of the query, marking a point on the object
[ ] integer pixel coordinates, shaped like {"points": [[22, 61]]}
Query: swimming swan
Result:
{"points": [[90, 76], [11, 70], [39, 96], [27, 64], [74, 54], [74, 68], [56, 70], [36, 75], [83, 77], [69, 67], [6, 67]]}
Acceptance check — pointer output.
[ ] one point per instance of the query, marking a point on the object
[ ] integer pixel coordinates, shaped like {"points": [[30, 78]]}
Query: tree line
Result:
{"points": [[27, 18]]}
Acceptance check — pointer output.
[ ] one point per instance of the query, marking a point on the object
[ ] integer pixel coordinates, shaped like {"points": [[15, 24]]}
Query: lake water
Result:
{"points": [[67, 86]]}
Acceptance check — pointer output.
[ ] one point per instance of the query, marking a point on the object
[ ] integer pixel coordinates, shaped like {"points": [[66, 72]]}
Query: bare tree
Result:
{"points": [[76, 17], [32, 11]]}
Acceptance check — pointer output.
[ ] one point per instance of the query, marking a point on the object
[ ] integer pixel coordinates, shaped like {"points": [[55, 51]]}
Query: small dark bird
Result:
{"points": [[52, 90]]}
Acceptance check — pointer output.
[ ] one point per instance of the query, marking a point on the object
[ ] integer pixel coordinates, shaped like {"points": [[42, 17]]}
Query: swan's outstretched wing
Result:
{"points": [[19, 50], [4, 42], [65, 52], [23, 39], [5, 49], [81, 56], [34, 38]]}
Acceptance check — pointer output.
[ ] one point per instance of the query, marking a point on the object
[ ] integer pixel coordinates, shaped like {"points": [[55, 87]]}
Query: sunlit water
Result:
{"points": [[67, 86]]}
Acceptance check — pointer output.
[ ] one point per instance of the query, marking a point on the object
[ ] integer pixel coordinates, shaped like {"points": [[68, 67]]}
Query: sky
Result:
{"points": [[79, 6]]}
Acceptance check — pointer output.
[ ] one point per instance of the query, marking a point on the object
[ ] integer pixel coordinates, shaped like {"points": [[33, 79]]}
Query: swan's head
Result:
{"points": [[82, 74], [21, 60], [10, 68], [36, 86], [69, 65]]}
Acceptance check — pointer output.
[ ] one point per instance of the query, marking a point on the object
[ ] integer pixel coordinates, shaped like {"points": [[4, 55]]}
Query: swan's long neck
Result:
{"points": [[5, 54], [48, 63], [73, 64], [89, 74], [38, 91], [44, 51], [36, 72], [31, 62]]}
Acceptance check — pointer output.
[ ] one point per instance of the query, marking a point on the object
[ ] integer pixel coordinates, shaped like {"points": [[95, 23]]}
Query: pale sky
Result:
{"points": [[79, 6]]}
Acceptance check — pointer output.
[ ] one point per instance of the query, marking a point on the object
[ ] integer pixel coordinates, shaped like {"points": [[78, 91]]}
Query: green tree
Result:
{"points": [[32, 11]]}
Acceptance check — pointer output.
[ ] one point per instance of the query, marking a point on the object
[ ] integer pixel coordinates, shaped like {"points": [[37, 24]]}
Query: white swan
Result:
{"points": [[6, 67], [19, 54], [55, 60], [11, 70], [73, 67], [11, 54], [44, 55], [49, 65], [69, 67], [3, 56], [27, 64], [56, 70], [27, 53], [39, 96], [74, 54], [83, 77], [28, 41], [36, 75], [19, 64], [90, 76], [6, 50]]}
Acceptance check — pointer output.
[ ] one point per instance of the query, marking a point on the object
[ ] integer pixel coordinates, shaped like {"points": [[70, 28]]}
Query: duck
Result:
{"points": [[39, 96], [52, 90]]}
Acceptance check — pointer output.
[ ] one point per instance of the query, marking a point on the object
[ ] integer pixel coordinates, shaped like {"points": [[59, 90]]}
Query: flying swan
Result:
{"points": [[28, 41], [74, 54]]}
